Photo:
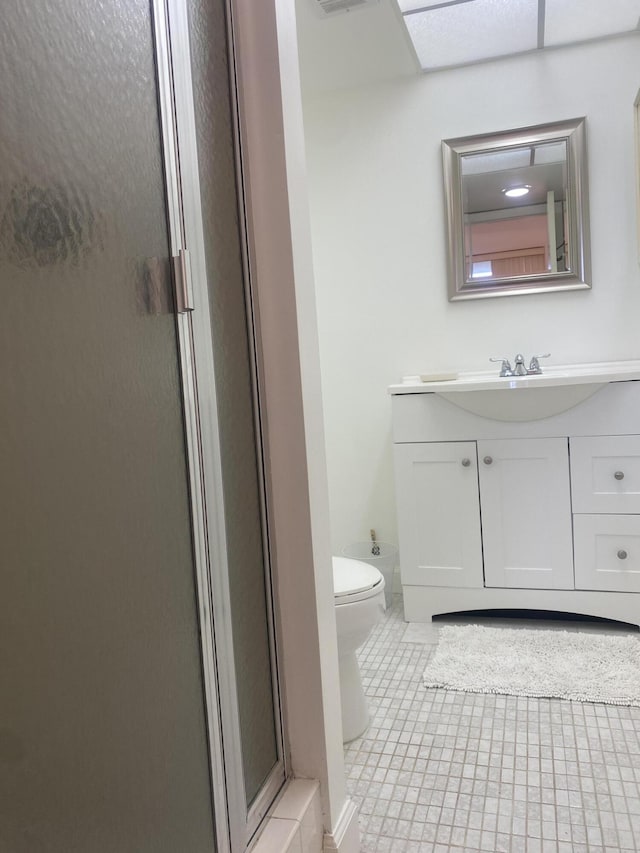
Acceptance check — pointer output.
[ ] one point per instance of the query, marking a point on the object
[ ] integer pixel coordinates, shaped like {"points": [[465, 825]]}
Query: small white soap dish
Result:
{"points": [[445, 376]]}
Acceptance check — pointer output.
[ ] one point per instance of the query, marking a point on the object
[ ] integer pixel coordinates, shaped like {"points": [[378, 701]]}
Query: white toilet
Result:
{"points": [[359, 598]]}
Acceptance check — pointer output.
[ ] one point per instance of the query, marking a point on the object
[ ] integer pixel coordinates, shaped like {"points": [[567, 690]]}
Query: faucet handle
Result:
{"points": [[534, 365], [505, 366]]}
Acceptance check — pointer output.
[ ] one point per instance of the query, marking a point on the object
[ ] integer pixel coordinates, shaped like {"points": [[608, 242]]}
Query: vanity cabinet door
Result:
{"points": [[439, 514], [526, 513]]}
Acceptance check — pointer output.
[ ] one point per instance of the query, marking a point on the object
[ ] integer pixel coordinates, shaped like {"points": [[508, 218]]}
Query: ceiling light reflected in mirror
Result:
{"points": [[517, 192]]}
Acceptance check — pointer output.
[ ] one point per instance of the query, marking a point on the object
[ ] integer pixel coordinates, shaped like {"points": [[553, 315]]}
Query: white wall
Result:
{"points": [[282, 285], [379, 246]]}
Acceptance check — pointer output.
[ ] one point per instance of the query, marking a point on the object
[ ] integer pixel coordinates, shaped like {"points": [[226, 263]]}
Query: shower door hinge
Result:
{"points": [[182, 281]]}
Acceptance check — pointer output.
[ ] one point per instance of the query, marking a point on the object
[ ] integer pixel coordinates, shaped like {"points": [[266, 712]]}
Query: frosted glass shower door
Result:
{"points": [[103, 743], [254, 707]]}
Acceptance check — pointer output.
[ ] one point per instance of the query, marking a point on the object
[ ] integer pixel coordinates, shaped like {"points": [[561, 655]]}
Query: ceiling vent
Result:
{"points": [[328, 8]]}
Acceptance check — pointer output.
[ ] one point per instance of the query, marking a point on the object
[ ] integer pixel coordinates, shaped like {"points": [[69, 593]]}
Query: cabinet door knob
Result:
{"points": [[488, 460], [619, 475], [622, 554], [466, 463]]}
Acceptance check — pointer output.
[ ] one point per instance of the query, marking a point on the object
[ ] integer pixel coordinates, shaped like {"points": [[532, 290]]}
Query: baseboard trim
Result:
{"points": [[345, 837]]}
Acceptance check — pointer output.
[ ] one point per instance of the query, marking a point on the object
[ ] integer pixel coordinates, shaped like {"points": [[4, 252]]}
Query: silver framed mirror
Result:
{"points": [[517, 211]]}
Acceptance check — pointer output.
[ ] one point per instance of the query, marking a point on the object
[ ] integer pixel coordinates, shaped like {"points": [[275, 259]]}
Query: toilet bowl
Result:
{"points": [[359, 600]]}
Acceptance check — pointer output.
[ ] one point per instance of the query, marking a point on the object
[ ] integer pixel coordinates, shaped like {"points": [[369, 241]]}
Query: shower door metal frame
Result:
{"points": [[235, 824]]}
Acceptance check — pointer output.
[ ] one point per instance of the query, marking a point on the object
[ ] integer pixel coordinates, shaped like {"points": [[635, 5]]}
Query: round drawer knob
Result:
{"points": [[619, 475], [466, 463], [622, 554], [488, 460]]}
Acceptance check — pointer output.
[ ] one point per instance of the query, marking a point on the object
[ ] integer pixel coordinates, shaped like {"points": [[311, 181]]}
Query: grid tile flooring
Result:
{"points": [[444, 771]]}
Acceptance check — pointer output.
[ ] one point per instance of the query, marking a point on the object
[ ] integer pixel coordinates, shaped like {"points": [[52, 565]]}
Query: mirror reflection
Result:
{"points": [[516, 209]]}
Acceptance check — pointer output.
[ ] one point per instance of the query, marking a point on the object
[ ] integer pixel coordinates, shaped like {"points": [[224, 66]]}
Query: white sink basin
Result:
{"points": [[530, 403], [525, 398]]}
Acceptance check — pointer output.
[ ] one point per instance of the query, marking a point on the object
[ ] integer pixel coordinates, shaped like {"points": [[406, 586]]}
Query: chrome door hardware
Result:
{"points": [[619, 475], [466, 463], [182, 279]]}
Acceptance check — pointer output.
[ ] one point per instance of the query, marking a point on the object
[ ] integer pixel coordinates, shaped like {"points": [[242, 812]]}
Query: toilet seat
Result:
{"points": [[354, 580]]}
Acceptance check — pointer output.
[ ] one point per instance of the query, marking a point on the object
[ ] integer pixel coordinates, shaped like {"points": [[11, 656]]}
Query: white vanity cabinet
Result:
{"points": [[533, 515], [457, 500]]}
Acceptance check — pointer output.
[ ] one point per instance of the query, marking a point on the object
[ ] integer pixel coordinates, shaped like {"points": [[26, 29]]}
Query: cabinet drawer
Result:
{"points": [[607, 552], [605, 474]]}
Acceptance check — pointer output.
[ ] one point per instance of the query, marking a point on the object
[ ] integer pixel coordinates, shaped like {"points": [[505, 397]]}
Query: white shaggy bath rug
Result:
{"points": [[558, 664]]}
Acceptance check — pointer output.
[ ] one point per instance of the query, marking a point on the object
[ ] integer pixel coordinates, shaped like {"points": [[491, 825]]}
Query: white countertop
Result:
{"points": [[553, 375]]}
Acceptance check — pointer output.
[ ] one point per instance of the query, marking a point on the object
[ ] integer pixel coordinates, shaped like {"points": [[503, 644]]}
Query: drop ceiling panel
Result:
{"points": [[473, 31], [566, 22], [552, 152], [480, 164]]}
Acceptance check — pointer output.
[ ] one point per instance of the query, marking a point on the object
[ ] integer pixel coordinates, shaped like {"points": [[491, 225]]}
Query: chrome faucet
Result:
{"points": [[505, 366], [519, 368], [534, 365]]}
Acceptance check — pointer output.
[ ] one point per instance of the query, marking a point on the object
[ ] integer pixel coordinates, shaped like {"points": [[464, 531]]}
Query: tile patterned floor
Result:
{"points": [[444, 771]]}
